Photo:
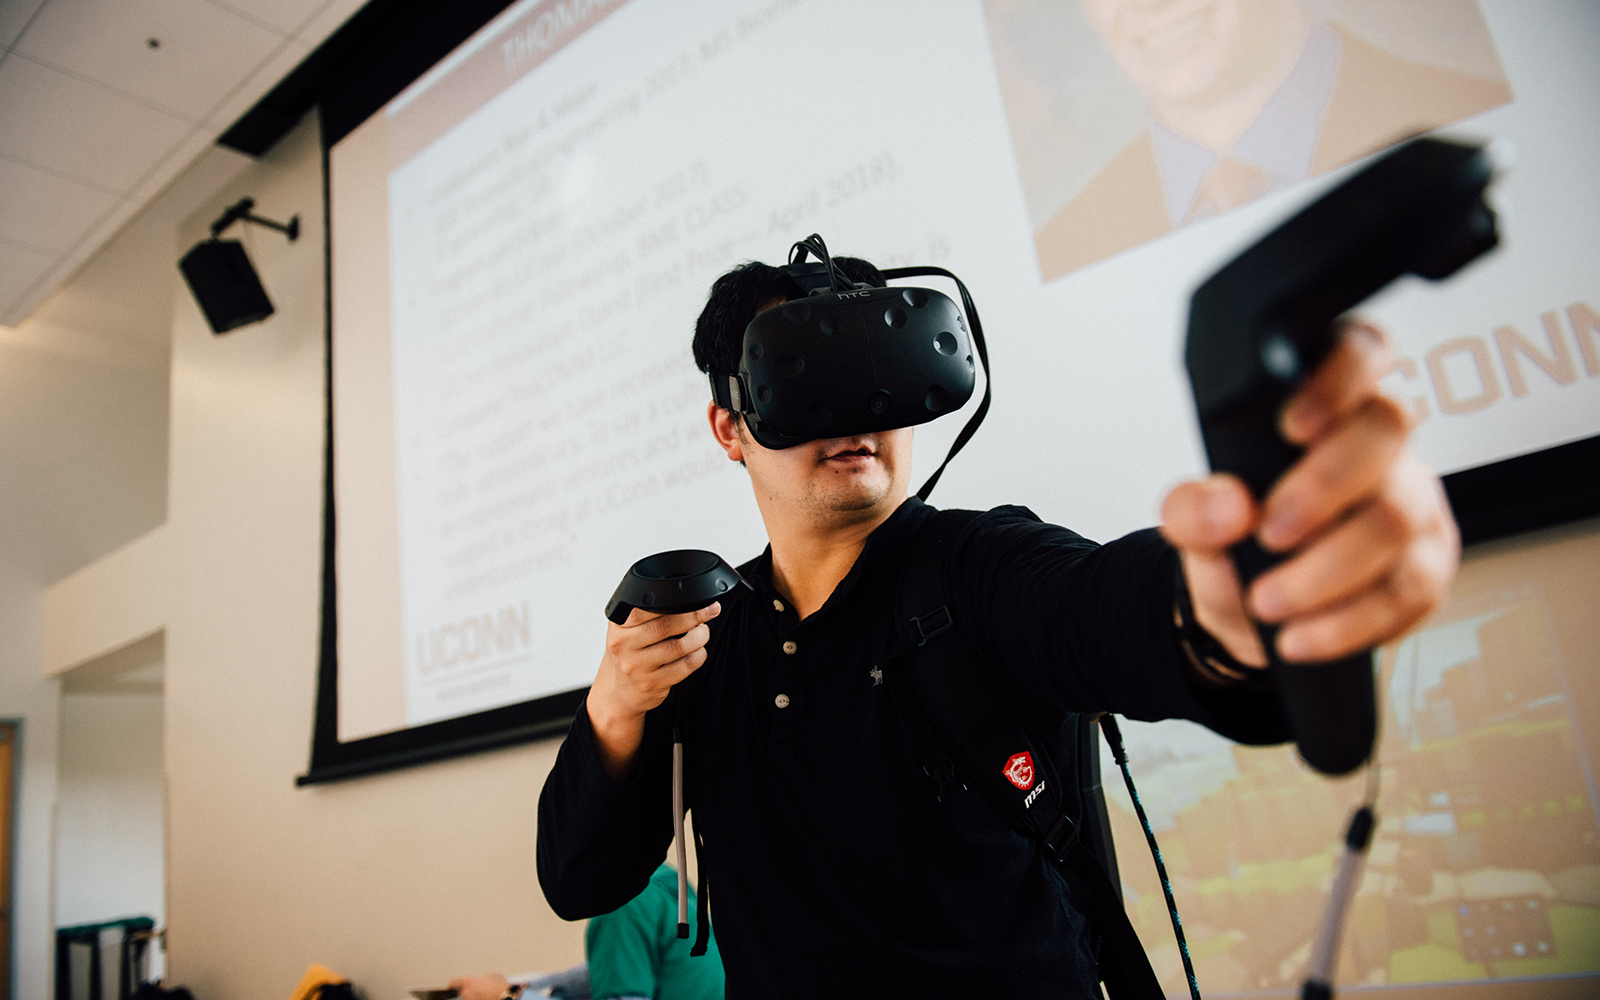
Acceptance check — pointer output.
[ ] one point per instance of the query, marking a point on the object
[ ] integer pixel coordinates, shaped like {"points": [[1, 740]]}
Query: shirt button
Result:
{"points": [[782, 701], [777, 605], [790, 647]]}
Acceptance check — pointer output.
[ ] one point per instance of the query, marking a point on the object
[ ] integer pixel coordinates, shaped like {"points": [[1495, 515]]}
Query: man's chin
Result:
{"points": [[854, 493]]}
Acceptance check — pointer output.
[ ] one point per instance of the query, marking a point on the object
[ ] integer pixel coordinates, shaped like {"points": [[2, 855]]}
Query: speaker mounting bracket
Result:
{"points": [[240, 211]]}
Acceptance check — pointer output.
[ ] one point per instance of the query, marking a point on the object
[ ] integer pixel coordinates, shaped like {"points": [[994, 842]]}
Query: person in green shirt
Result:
{"points": [[634, 953]]}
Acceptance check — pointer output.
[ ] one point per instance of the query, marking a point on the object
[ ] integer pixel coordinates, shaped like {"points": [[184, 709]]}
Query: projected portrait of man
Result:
{"points": [[1241, 98]]}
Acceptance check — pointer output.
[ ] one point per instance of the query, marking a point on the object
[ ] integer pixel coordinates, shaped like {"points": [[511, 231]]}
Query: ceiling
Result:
{"points": [[104, 102]]}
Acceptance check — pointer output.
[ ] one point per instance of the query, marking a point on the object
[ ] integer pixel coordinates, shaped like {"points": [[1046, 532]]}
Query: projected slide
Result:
{"points": [[1184, 74], [523, 238]]}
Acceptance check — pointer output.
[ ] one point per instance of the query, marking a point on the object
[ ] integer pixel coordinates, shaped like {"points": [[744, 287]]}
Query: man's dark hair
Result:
{"points": [[737, 296]]}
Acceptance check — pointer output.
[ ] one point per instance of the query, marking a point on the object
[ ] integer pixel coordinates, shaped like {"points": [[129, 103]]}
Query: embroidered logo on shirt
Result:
{"points": [[876, 675], [1019, 770]]}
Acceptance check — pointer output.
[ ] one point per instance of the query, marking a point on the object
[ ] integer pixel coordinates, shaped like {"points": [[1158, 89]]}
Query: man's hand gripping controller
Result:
{"points": [[671, 583], [1263, 323]]}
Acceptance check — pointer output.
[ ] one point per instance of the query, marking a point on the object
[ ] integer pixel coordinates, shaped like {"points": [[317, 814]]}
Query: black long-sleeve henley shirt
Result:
{"points": [[832, 868]]}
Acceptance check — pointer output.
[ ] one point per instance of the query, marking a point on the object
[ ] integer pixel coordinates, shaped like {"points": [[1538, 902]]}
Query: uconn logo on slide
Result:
{"points": [[475, 639]]}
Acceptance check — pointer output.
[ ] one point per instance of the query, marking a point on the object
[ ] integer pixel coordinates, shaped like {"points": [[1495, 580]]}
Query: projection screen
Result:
{"points": [[522, 238]]}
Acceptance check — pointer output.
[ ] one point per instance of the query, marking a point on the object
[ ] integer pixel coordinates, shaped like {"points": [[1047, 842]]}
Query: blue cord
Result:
{"points": [[1114, 737]]}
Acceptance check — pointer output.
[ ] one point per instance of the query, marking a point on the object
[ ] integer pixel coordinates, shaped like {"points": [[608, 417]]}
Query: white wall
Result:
{"points": [[83, 470], [110, 851], [83, 435], [26, 695], [108, 604], [399, 880]]}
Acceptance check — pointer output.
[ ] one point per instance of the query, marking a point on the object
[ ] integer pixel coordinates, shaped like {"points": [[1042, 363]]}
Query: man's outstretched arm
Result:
{"points": [[1091, 628]]}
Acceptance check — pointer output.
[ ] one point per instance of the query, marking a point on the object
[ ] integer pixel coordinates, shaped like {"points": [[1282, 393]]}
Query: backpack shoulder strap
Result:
{"points": [[961, 725], [1095, 817]]}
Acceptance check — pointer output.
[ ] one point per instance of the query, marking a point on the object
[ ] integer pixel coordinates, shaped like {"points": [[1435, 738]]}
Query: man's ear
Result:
{"points": [[725, 428]]}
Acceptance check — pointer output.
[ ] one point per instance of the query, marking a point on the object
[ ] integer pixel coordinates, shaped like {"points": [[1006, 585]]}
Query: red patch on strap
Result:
{"points": [[1019, 770]]}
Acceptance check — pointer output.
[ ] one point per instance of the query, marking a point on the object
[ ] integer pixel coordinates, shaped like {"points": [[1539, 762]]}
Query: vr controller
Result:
{"points": [[670, 583], [1265, 321]]}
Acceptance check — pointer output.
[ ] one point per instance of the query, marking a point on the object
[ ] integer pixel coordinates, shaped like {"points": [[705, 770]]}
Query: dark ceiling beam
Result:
{"points": [[372, 57]]}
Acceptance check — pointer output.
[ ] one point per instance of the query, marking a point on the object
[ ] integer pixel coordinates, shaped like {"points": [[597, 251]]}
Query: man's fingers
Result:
{"points": [[1378, 613], [1334, 474], [1208, 515], [1340, 385], [1351, 557], [642, 648], [652, 628], [675, 646], [1356, 552], [637, 660], [638, 616], [1201, 520], [683, 666], [1214, 594]]}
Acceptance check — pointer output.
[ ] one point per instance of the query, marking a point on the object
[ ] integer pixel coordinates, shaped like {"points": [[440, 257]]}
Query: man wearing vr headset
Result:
{"points": [[838, 867]]}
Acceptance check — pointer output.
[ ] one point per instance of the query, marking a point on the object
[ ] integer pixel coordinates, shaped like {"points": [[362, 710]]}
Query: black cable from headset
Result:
{"points": [[983, 355], [1108, 725], [815, 245]]}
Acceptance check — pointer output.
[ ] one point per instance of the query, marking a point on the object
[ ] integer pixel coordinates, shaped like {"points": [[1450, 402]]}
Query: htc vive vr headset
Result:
{"points": [[847, 358]]}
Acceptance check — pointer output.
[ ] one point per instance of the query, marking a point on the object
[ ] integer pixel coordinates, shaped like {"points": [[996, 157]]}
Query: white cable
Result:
{"points": [[1325, 950], [677, 831]]}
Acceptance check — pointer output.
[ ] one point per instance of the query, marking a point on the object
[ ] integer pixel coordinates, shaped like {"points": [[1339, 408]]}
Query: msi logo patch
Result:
{"points": [[1019, 770], [1027, 803]]}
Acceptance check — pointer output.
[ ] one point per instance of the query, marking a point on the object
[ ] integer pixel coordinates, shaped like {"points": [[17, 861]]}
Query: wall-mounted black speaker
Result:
{"points": [[225, 284]]}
